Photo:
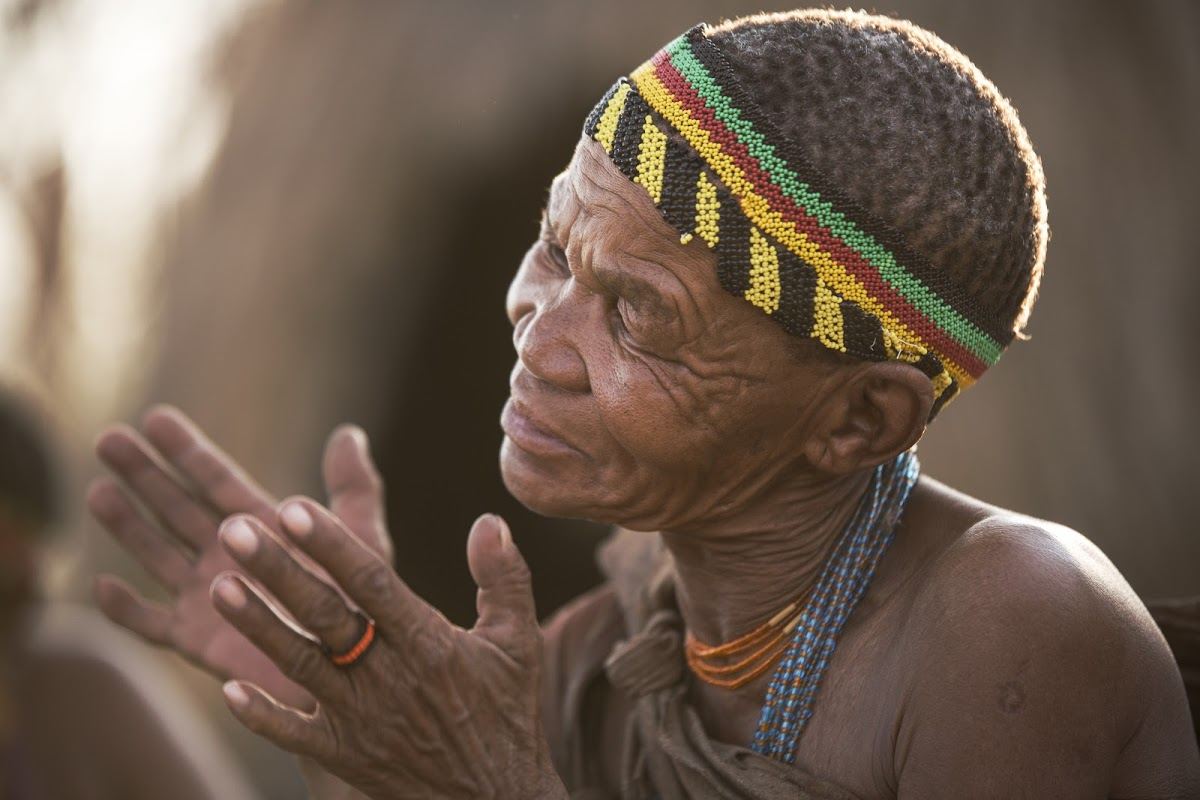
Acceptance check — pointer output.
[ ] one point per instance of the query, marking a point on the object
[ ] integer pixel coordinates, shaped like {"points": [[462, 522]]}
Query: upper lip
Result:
{"points": [[519, 399]]}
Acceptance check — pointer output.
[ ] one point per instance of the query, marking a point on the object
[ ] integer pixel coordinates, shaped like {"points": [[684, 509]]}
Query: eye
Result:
{"points": [[558, 256], [625, 318], [625, 311]]}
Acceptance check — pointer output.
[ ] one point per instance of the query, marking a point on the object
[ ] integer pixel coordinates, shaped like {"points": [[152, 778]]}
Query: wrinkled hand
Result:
{"points": [[187, 485], [429, 709]]}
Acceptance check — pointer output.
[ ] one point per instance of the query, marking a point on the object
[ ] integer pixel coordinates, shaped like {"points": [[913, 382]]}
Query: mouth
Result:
{"points": [[528, 435]]}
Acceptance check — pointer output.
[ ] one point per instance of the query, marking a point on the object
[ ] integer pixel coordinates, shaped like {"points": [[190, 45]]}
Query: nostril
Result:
{"points": [[520, 327], [546, 350]]}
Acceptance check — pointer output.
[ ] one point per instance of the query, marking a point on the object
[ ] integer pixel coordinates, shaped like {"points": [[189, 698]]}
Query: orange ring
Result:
{"points": [[356, 652]]}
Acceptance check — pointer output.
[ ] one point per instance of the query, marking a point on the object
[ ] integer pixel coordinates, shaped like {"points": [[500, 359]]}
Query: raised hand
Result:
{"points": [[185, 486], [410, 705]]}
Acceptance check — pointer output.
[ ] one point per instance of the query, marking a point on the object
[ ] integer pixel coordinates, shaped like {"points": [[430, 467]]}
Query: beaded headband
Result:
{"points": [[786, 240]]}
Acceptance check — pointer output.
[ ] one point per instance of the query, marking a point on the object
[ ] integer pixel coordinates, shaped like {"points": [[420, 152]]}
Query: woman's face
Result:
{"points": [[643, 394]]}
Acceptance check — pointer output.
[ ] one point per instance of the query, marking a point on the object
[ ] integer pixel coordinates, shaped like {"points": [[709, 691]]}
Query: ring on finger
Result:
{"points": [[356, 651]]}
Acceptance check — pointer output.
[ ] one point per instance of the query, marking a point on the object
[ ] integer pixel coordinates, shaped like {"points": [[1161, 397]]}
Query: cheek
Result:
{"points": [[668, 418]]}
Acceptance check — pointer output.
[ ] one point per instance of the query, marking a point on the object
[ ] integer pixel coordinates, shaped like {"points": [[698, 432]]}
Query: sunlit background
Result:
{"points": [[283, 215]]}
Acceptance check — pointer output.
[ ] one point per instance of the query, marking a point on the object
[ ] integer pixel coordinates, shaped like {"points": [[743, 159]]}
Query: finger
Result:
{"points": [[354, 487], [292, 730], [125, 451], [297, 657], [217, 478], [159, 557], [507, 615], [309, 600], [131, 611], [368, 580]]}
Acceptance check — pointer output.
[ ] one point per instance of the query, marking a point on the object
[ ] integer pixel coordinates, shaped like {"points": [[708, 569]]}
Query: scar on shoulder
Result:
{"points": [[1011, 697]]}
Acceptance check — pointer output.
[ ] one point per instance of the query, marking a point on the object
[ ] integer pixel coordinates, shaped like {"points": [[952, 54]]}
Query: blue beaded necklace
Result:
{"points": [[841, 585]]}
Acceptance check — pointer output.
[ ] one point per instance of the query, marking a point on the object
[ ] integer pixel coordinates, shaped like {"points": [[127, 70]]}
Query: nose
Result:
{"points": [[548, 337]]}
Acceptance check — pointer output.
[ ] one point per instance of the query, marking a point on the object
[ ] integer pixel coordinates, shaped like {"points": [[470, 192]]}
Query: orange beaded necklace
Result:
{"points": [[736, 663]]}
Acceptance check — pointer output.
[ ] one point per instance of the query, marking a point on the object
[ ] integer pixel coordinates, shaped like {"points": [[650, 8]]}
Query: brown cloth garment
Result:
{"points": [[614, 672]]}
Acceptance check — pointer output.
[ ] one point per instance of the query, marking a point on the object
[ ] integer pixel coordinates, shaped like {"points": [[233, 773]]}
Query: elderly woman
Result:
{"points": [[782, 245]]}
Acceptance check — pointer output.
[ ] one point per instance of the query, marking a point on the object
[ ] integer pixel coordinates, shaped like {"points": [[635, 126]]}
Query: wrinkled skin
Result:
{"points": [[188, 558], [435, 711], [646, 396], [666, 403], [469, 697]]}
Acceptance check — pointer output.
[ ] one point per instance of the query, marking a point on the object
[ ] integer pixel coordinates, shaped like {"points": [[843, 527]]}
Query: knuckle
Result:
{"points": [[372, 480], [430, 649], [303, 661], [324, 612], [519, 573], [371, 580]]}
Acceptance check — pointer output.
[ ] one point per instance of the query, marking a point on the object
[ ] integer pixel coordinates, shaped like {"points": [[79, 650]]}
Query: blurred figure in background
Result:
{"points": [[83, 712]]}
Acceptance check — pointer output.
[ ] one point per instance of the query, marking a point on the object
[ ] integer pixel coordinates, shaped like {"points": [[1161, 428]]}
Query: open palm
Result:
{"points": [[186, 486]]}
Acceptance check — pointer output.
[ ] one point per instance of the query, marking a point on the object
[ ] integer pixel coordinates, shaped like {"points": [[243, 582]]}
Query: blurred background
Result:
{"points": [[284, 215]]}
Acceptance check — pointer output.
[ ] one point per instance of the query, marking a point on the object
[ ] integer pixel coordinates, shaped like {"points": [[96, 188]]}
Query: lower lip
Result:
{"points": [[518, 428]]}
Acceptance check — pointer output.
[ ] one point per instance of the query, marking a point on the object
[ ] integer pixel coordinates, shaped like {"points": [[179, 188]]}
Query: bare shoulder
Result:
{"points": [[1009, 563], [81, 651], [84, 675], [1024, 580], [1028, 648]]}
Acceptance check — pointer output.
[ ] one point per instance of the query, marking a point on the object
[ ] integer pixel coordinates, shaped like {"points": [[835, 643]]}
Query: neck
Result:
{"points": [[732, 576]]}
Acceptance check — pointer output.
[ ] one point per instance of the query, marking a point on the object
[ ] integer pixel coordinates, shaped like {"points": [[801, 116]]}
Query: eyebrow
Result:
{"points": [[611, 274], [625, 281]]}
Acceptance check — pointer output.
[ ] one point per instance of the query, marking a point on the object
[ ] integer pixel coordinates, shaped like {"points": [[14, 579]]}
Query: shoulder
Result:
{"points": [[79, 667], [1028, 647], [1030, 578], [74, 658], [77, 649], [1040, 595]]}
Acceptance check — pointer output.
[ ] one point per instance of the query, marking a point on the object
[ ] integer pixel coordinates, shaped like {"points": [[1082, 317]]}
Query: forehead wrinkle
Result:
{"points": [[606, 204], [650, 276], [603, 195], [636, 247]]}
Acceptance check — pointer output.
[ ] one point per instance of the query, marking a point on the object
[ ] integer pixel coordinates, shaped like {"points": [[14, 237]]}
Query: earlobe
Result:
{"points": [[871, 418]]}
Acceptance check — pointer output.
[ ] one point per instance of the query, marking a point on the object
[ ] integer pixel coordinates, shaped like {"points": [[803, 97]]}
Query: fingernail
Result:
{"points": [[506, 540], [296, 519], [359, 436], [240, 538], [231, 593], [236, 695]]}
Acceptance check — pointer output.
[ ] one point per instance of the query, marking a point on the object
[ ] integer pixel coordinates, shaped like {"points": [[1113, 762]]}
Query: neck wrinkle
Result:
{"points": [[732, 577]]}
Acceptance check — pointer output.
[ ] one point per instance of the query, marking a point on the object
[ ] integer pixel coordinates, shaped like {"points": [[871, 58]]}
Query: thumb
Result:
{"points": [[355, 489], [507, 615]]}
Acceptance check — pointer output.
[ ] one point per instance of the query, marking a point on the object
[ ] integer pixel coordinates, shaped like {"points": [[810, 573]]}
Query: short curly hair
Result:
{"points": [[910, 129]]}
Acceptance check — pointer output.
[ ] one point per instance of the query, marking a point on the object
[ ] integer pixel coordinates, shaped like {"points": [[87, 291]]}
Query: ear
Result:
{"points": [[877, 413]]}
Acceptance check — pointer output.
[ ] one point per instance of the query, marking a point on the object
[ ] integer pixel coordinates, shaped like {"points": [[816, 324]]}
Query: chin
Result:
{"points": [[551, 487], [536, 484], [560, 488]]}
